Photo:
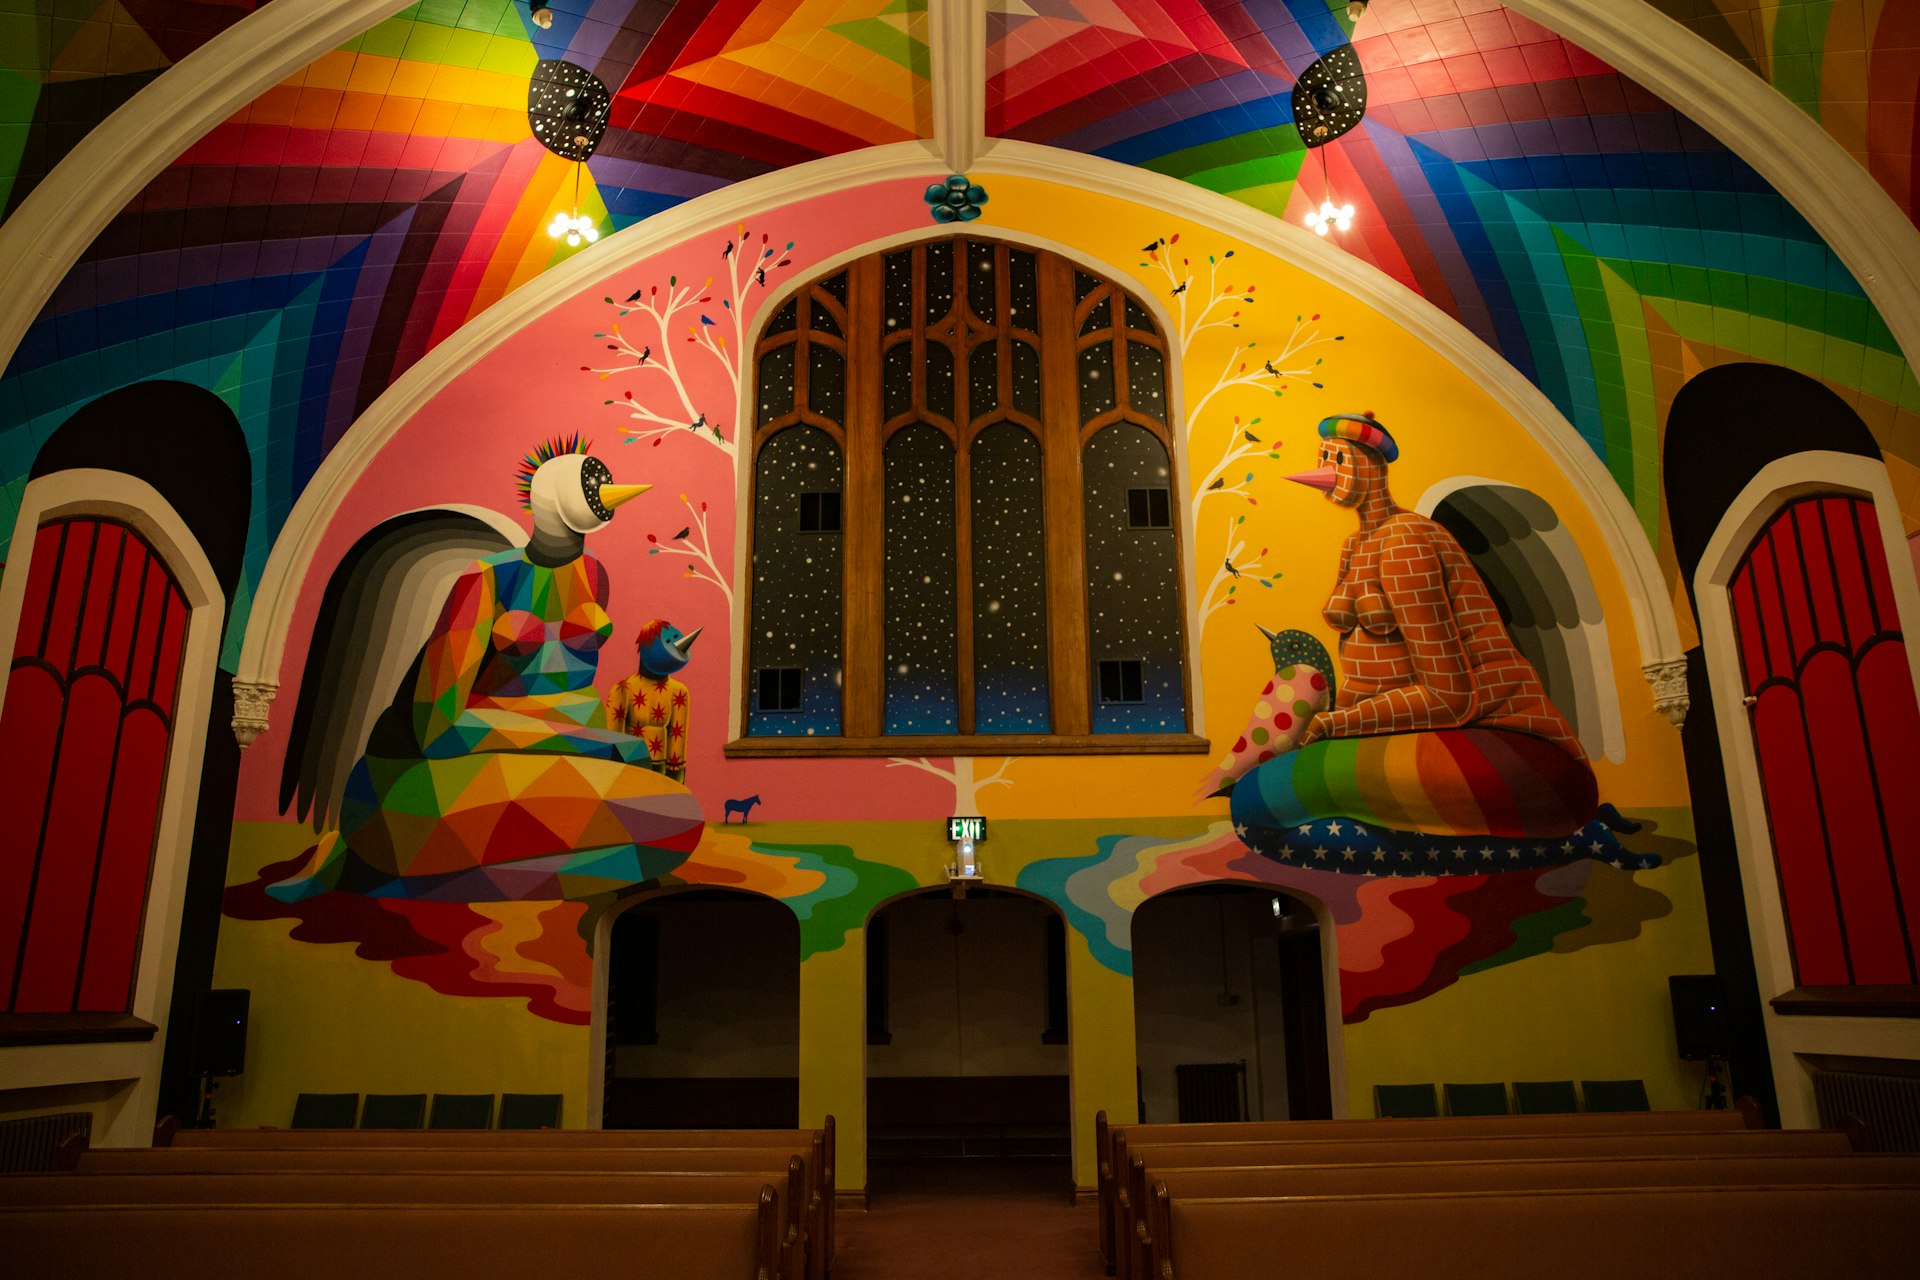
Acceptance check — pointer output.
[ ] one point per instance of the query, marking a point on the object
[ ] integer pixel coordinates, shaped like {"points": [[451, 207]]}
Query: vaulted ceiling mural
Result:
{"points": [[311, 248]]}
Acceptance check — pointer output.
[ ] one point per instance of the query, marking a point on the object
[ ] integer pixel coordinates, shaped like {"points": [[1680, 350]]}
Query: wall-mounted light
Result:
{"points": [[964, 870], [543, 16], [1356, 9]]}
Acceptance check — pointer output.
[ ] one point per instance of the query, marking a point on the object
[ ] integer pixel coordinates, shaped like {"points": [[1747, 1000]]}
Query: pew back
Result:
{"points": [[1757, 1233], [1111, 1140], [387, 1187], [422, 1242], [1187, 1155], [1502, 1175]]}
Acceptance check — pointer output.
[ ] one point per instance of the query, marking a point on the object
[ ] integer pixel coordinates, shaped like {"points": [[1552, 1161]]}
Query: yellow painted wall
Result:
{"points": [[323, 1021]]}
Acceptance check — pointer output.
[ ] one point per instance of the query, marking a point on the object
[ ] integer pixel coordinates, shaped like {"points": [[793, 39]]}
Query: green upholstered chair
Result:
{"points": [[1544, 1097], [461, 1111], [1476, 1099], [529, 1111], [1405, 1100], [1615, 1095], [393, 1111], [325, 1110]]}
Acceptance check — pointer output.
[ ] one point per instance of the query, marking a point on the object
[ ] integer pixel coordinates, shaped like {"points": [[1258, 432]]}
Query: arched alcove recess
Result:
{"points": [[184, 450], [1738, 439], [1230, 1006], [699, 1012], [967, 1052]]}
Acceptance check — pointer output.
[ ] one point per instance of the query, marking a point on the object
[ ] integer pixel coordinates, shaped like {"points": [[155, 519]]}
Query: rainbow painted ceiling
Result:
{"points": [[311, 248]]}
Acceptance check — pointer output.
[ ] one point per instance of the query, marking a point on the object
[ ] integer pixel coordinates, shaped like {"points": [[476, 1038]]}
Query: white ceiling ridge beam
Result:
{"points": [[111, 165], [957, 50]]}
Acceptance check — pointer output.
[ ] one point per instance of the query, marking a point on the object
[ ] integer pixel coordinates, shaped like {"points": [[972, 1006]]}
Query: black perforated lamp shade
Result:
{"points": [[567, 107], [1330, 97]]}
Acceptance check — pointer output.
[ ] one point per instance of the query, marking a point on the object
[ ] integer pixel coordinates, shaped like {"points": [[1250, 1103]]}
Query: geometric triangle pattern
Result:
{"points": [[516, 788]]}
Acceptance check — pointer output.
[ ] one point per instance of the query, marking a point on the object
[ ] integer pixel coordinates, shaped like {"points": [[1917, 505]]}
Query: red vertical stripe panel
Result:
{"points": [[1799, 843], [1893, 744], [113, 934], [28, 728], [1876, 944], [56, 931]]}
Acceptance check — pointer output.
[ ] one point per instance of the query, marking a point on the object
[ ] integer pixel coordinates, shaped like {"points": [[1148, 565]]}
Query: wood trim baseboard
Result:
{"points": [[1849, 1002], [72, 1028]]}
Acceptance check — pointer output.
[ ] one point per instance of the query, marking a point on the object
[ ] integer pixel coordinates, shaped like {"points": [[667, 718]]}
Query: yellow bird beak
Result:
{"points": [[612, 495]]}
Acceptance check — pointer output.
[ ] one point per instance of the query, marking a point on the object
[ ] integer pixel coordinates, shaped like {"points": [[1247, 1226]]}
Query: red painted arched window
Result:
{"points": [[83, 756], [1837, 735]]}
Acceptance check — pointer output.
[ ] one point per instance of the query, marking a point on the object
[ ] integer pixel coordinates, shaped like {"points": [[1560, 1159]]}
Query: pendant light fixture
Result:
{"points": [[567, 107], [1329, 100]]}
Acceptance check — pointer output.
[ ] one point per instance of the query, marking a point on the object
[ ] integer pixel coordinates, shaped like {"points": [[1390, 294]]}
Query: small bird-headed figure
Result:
{"points": [[651, 704], [1230, 569], [728, 251], [697, 423], [1270, 369], [646, 354], [1180, 288], [760, 276]]}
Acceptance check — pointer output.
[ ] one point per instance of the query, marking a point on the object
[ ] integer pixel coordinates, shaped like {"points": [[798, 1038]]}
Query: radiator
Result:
{"points": [[27, 1145], [1211, 1091], [1889, 1105]]}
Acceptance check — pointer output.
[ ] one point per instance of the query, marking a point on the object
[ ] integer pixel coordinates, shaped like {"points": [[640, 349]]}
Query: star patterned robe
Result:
{"points": [[655, 710]]}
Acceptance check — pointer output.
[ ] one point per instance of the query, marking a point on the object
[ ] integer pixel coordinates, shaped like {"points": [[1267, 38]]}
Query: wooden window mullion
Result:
{"points": [[863, 599], [1065, 523]]}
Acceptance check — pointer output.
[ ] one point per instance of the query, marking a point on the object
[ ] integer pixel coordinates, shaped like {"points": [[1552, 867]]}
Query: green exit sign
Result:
{"points": [[974, 829]]}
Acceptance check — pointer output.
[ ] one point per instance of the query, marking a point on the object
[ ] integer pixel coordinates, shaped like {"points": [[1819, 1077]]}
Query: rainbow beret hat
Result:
{"points": [[1361, 429]]}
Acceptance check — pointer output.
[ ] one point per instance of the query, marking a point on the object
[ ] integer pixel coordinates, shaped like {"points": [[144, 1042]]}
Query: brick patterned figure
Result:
{"points": [[494, 775], [651, 704], [1440, 725]]}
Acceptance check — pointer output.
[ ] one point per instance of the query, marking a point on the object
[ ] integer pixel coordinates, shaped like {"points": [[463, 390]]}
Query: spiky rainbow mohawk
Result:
{"points": [[545, 451]]}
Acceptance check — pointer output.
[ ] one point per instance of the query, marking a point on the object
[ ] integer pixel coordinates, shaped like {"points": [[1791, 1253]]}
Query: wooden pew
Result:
{"points": [[1497, 1146], [773, 1162], [420, 1242], [1112, 1165], [821, 1162], [1755, 1233], [407, 1187], [1501, 1175]]}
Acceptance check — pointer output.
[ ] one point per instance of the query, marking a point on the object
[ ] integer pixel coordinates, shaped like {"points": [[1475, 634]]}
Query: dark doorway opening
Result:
{"points": [[703, 1014], [1229, 999], [967, 1053]]}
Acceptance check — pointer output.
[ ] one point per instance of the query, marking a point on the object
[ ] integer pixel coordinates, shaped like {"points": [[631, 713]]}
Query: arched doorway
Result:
{"points": [[1785, 525], [1229, 1006], [967, 1054], [148, 486], [702, 1014]]}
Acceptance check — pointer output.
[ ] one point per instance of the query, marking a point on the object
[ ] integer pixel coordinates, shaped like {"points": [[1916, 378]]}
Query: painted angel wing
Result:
{"points": [[1540, 582], [378, 610]]}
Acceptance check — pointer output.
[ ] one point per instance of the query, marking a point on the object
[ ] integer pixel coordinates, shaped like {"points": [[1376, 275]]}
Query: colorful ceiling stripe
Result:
{"points": [[66, 65], [309, 250], [1550, 204], [1852, 65]]}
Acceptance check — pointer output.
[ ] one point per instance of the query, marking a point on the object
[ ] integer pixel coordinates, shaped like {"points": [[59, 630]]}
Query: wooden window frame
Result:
{"points": [[862, 439]]}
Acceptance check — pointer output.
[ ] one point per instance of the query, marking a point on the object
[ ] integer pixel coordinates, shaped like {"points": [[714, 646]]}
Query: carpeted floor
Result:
{"points": [[969, 1220]]}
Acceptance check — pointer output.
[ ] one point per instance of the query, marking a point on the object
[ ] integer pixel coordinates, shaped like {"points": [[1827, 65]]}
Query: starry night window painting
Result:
{"points": [[922, 684], [1010, 692], [796, 585], [1133, 574], [987, 366]]}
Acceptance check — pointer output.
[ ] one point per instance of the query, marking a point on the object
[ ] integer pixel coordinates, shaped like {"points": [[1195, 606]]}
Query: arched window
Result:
{"points": [[965, 531]]}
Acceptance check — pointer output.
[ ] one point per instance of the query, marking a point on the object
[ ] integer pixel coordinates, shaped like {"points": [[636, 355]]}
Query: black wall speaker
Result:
{"points": [[220, 1034], [1699, 1015]]}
